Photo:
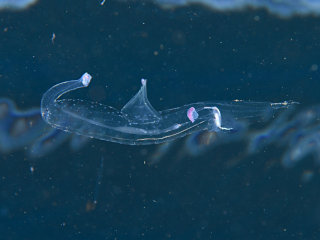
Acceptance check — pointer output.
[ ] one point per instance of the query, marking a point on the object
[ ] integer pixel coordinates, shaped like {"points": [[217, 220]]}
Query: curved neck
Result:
{"points": [[50, 96]]}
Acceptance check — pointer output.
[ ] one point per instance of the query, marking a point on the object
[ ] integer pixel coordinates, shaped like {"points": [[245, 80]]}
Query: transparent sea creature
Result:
{"points": [[138, 123]]}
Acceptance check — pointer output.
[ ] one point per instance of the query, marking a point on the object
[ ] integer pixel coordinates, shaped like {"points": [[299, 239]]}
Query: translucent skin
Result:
{"points": [[138, 123]]}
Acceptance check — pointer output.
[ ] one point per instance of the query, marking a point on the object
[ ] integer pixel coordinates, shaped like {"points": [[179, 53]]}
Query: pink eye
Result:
{"points": [[192, 114]]}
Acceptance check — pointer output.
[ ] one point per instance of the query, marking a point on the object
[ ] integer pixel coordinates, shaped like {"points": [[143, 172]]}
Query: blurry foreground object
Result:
{"points": [[16, 4], [282, 8], [26, 130]]}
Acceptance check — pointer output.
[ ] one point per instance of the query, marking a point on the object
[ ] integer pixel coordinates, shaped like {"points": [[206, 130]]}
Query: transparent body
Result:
{"points": [[138, 123]]}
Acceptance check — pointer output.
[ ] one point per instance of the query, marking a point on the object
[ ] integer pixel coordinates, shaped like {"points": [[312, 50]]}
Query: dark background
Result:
{"points": [[188, 54]]}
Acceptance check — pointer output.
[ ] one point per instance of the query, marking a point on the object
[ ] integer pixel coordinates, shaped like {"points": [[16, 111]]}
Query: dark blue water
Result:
{"points": [[188, 54]]}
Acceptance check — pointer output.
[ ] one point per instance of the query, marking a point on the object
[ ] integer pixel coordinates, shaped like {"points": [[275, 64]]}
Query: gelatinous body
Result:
{"points": [[138, 123]]}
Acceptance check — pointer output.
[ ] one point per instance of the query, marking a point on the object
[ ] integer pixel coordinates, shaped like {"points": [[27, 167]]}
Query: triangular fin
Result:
{"points": [[139, 110]]}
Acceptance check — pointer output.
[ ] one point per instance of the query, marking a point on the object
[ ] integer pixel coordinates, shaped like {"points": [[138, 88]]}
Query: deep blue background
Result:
{"points": [[188, 54]]}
